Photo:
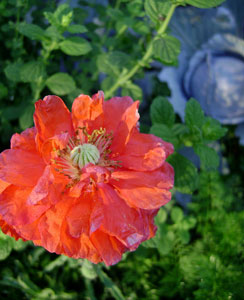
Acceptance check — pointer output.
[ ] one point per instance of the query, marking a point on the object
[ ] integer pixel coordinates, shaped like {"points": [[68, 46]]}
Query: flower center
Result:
{"points": [[84, 154]]}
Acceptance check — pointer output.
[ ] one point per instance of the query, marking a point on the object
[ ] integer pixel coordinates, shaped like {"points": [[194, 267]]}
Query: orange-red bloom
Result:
{"points": [[85, 184]]}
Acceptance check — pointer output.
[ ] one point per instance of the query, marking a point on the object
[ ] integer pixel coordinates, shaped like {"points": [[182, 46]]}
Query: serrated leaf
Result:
{"points": [[32, 31], [166, 49], [76, 28], [194, 115], [54, 35], [132, 90], [75, 46], [176, 214], [204, 3], [208, 157], [165, 133], [32, 71], [212, 129], [12, 71], [186, 176], [113, 62], [61, 83], [157, 9], [162, 112], [61, 17]]}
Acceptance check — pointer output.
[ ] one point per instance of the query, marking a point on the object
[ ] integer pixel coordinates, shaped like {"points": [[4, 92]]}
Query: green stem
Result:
{"points": [[127, 75]]}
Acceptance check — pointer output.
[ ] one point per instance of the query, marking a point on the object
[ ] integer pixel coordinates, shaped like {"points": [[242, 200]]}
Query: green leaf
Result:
{"points": [[6, 245], [204, 3], [32, 71], [107, 83], [75, 46], [157, 9], [186, 176], [113, 62], [161, 216], [208, 157], [62, 16], [88, 270], [165, 240], [32, 31], [167, 49], [194, 115], [176, 214], [76, 28], [12, 71], [165, 133], [19, 245], [132, 90], [184, 236], [162, 112], [26, 119], [61, 84], [212, 129], [135, 8]]}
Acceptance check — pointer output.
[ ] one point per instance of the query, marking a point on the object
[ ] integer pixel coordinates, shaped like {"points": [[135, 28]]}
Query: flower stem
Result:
{"points": [[140, 63]]}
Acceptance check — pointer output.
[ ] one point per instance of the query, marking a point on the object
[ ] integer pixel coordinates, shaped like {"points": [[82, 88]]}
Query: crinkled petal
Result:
{"points": [[50, 225], [25, 140], [120, 220], [108, 247], [87, 111], [56, 237], [3, 185], [125, 127], [51, 117], [47, 188], [14, 208], [114, 110], [20, 167], [86, 215], [146, 190], [8, 229], [144, 152], [51, 145]]}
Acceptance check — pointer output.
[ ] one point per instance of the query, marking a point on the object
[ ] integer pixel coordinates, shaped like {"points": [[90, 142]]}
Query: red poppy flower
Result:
{"points": [[86, 184]]}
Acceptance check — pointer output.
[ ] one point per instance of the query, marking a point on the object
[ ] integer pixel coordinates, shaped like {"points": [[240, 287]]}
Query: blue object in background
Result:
{"points": [[211, 64]]}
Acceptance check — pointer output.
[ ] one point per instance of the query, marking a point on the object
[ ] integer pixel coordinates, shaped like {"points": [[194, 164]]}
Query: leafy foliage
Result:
{"points": [[197, 252]]}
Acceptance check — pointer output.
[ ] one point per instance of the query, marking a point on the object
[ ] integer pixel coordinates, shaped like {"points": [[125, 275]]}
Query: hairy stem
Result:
{"points": [[140, 63]]}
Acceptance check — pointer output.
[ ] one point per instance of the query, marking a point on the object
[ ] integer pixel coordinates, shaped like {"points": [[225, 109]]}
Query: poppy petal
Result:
{"points": [[120, 220], [3, 185], [25, 140], [108, 247], [20, 167], [144, 152], [114, 110], [125, 127], [7, 229], [146, 190], [87, 111], [14, 208], [52, 117]]}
